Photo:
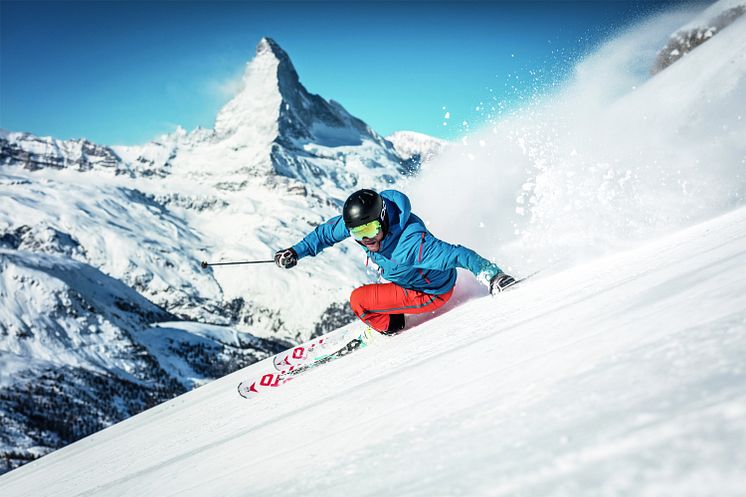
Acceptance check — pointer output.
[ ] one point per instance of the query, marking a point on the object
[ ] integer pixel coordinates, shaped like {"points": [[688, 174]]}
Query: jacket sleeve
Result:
{"points": [[323, 236], [422, 250]]}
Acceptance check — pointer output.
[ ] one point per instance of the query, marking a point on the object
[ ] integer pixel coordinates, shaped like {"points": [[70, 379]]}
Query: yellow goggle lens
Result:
{"points": [[367, 230]]}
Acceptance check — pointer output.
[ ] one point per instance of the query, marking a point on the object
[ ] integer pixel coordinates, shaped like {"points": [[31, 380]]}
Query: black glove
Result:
{"points": [[286, 258], [501, 282]]}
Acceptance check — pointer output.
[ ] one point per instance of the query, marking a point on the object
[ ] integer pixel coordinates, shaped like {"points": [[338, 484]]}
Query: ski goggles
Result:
{"points": [[367, 230]]}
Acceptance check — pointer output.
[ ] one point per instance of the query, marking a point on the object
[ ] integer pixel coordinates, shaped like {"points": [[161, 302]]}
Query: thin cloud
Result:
{"points": [[225, 89]]}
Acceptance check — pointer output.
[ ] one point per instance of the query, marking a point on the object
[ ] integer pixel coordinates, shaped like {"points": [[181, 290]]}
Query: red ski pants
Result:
{"points": [[373, 303]]}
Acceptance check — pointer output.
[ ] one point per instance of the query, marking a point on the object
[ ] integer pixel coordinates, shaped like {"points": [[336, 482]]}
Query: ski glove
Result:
{"points": [[501, 282], [286, 258]]}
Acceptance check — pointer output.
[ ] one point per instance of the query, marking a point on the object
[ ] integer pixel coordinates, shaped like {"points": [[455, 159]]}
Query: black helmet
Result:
{"points": [[362, 207]]}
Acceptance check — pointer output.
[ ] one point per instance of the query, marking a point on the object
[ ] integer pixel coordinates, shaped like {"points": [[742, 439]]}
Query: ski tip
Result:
{"points": [[247, 390], [277, 361]]}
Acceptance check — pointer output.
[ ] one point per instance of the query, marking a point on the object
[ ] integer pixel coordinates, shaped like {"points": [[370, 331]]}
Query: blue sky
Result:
{"points": [[125, 72]]}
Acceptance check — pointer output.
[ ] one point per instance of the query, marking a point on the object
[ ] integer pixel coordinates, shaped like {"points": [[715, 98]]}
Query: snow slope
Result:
{"points": [[624, 376]]}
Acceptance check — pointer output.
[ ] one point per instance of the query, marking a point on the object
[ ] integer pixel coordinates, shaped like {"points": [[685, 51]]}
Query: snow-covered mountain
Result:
{"points": [[279, 161], [417, 146], [139, 220], [309, 138], [35, 153], [706, 25]]}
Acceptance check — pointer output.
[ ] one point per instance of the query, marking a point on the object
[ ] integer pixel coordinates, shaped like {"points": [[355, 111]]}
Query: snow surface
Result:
{"points": [[624, 376]]}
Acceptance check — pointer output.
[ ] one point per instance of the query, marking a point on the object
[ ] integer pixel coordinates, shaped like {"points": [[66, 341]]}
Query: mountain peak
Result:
{"points": [[270, 45], [274, 112], [269, 74], [286, 74]]}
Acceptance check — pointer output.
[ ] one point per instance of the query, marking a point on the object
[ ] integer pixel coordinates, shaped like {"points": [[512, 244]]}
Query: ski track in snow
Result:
{"points": [[624, 376]]}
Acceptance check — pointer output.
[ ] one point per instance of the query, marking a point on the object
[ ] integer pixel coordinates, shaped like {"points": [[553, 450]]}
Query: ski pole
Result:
{"points": [[205, 264]]}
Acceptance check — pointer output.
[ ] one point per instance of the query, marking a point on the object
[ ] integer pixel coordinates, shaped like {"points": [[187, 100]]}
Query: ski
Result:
{"points": [[308, 351], [310, 358], [361, 341], [251, 388]]}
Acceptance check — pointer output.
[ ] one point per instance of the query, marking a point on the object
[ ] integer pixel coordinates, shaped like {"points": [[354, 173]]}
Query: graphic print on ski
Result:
{"points": [[272, 379], [305, 352]]}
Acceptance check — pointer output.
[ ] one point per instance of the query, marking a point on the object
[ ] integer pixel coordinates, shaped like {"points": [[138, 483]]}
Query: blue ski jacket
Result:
{"points": [[410, 255]]}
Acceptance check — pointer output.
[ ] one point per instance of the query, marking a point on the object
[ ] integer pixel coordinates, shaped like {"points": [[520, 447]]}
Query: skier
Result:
{"points": [[421, 269]]}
